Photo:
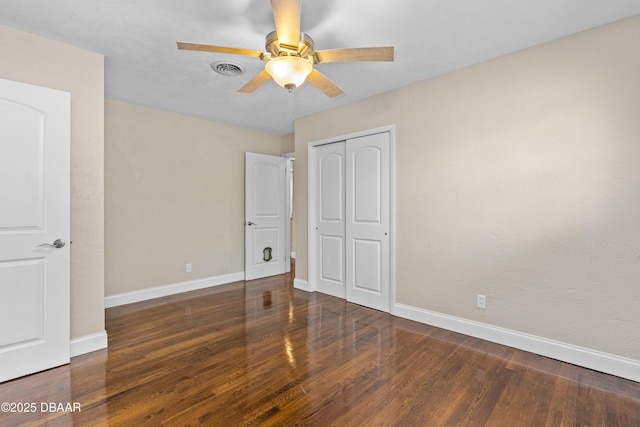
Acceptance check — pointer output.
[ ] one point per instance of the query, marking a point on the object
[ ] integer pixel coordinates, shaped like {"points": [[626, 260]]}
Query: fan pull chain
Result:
{"points": [[291, 103]]}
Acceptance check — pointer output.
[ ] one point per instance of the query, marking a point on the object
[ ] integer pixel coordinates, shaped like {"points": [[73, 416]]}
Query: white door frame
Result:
{"points": [[312, 208], [287, 246]]}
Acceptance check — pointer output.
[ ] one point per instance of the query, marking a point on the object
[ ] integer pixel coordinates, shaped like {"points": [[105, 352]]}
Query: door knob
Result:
{"points": [[251, 223], [58, 243]]}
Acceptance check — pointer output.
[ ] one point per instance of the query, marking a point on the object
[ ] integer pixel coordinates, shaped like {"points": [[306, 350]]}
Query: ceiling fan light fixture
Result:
{"points": [[290, 54], [289, 71]]}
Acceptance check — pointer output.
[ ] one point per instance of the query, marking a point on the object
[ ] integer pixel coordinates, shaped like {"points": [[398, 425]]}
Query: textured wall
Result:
{"points": [[38, 61], [174, 195], [518, 178]]}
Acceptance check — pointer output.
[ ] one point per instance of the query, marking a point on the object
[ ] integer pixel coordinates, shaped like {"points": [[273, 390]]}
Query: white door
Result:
{"points": [[266, 216], [367, 226], [330, 225], [34, 213]]}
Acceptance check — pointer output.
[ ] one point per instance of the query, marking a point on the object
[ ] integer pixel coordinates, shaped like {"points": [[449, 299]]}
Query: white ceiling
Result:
{"points": [[143, 65]]}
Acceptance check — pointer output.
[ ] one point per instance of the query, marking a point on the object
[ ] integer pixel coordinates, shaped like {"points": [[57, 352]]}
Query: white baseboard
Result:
{"points": [[592, 359], [88, 343], [163, 291], [303, 285], [293, 254]]}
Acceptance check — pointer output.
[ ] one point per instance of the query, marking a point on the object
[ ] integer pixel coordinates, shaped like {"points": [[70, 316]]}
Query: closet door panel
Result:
{"points": [[367, 221]]}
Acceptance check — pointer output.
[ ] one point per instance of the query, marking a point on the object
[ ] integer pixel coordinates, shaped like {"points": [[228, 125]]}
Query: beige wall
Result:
{"points": [[518, 178], [174, 195], [288, 143], [31, 59]]}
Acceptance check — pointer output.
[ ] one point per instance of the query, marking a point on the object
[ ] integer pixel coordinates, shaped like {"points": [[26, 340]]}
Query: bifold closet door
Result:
{"points": [[330, 226], [367, 221]]}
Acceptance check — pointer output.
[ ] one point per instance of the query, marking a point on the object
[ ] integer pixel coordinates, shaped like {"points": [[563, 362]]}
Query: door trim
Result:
{"points": [[287, 228], [311, 205]]}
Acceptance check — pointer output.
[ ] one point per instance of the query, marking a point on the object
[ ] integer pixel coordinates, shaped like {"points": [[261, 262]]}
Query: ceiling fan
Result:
{"points": [[290, 56]]}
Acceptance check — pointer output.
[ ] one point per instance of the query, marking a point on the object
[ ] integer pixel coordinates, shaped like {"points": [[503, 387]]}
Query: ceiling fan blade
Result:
{"points": [[355, 54], [320, 81], [255, 83], [220, 49], [286, 14]]}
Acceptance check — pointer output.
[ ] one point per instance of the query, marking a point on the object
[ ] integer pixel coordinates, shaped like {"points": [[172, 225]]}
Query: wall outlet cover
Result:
{"points": [[481, 301]]}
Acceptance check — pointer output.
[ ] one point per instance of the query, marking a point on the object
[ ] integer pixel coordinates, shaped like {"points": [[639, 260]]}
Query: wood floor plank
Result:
{"points": [[263, 354]]}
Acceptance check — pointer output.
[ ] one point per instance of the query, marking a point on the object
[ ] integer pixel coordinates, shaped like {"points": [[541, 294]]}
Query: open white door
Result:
{"points": [[34, 228], [266, 216]]}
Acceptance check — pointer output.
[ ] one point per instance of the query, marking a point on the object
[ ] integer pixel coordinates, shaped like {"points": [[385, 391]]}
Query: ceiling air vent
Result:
{"points": [[228, 68]]}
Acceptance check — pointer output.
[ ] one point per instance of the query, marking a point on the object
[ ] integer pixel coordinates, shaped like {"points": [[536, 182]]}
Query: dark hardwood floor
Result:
{"points": [[262, 353]]}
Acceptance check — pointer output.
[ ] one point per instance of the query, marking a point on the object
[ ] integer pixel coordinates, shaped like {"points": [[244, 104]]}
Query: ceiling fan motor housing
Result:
{"points": [[303, 50]]}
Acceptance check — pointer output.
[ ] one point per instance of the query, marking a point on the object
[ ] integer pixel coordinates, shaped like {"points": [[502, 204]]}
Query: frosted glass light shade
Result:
{"points": [[289, 71]]}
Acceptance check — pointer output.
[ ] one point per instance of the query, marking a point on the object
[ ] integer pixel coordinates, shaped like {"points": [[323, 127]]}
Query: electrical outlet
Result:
{"points": [[481, 301], [187, 268]]}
